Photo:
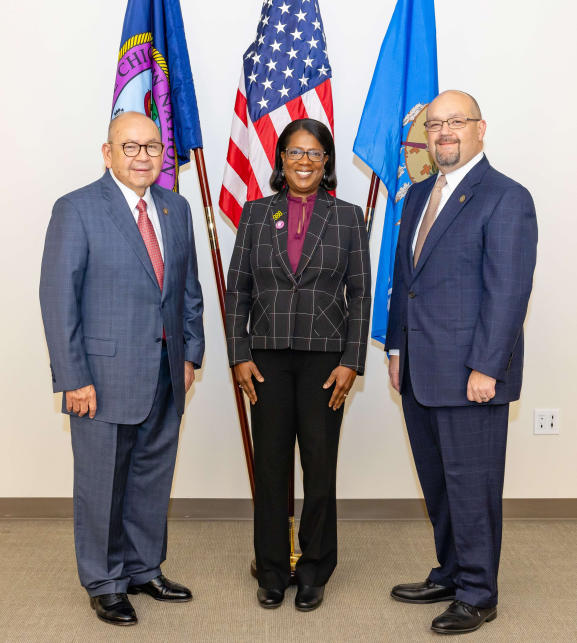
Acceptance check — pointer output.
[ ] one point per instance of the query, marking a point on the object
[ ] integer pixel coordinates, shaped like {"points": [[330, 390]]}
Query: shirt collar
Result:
{"points": [[455, 177], [297, 199], [131, 197]]}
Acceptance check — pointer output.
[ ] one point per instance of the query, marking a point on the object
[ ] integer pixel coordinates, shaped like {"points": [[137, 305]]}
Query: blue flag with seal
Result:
{"points": [[153, 77], [391, 138]]}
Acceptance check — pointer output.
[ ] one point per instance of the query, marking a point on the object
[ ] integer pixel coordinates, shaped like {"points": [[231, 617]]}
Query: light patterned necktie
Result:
{"points": [[150, 241], [429, 218]]}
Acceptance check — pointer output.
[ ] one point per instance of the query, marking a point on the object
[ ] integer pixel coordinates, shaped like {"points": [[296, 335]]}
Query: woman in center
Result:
{"points": [[297, 318]]}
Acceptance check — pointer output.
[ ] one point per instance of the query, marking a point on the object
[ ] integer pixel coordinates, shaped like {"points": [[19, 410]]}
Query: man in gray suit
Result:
{"points": [[122, 310]]}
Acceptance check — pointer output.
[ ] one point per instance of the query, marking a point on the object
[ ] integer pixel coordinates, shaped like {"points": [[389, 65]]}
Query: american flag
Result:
{"points": [[285, 76]]}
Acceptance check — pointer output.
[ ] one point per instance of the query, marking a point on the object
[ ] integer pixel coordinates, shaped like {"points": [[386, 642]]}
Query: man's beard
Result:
{"points": [[449, 159]]}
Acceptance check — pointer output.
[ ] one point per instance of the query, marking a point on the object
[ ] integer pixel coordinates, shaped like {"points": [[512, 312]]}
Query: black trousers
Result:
{"points": [[292, 404], [459, 453]]}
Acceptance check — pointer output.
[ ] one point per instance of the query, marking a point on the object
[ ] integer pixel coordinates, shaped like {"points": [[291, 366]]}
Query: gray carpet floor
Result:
{"points": [[41, 600]]}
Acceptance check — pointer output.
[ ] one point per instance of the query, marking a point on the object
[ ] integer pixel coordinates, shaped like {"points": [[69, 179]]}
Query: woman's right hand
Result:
{"points": [[244, 373]]}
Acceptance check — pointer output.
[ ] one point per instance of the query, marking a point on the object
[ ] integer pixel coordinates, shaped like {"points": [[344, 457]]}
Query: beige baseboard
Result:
{"points": [[348, 509]]}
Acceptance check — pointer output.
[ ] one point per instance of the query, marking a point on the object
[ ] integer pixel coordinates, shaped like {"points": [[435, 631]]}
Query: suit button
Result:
{"points": [[404, 329], [412, 294], [294, 288], [158, 340]]}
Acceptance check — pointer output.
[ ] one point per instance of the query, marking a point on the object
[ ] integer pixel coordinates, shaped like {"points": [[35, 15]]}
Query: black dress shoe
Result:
{"points": [[426, 592], [162, 589], [308, 597], [270, 598], [460, 618], [114, 608]]}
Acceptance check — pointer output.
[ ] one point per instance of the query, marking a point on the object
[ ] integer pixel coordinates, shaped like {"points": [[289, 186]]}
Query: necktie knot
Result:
{"points": [[440, 184], [141, 207]]}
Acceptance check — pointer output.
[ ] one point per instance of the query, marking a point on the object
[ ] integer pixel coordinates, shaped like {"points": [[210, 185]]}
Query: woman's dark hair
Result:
{"points": [[323, 135]]}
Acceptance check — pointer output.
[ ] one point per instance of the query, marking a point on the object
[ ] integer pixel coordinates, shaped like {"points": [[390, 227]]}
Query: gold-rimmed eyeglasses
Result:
{"points": [[457, 122]]}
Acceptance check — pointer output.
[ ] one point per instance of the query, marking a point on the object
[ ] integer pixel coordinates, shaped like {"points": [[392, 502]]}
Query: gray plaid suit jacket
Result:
{"points": [[323, 306], [102, 308]]}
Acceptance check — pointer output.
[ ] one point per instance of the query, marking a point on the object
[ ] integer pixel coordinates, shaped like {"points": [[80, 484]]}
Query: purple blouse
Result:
{"points": [[299, 217]]}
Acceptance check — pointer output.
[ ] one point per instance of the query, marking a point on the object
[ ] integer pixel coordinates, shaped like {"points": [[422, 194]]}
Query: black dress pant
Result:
{"points": [[293, 404]]}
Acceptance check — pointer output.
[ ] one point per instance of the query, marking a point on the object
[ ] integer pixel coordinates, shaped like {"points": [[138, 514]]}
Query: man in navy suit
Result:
{"points": [[122, 310], [462, 279]]}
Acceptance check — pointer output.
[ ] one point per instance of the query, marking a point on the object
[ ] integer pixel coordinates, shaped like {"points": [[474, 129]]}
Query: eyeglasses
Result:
{"points": [[296, 154], [453, 123], [131, 149]]}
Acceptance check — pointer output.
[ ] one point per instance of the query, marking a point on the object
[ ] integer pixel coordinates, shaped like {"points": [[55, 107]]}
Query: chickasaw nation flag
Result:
{"points": [[285, 76], [153, 77]]}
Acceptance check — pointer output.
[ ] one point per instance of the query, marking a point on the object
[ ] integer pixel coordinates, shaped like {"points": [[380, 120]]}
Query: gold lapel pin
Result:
{"points": [[164, 210], [461, 199]]}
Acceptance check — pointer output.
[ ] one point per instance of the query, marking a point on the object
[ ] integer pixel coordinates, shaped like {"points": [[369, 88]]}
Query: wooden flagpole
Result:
{"points": [[240, 406], [371, 202], [221, 288]]}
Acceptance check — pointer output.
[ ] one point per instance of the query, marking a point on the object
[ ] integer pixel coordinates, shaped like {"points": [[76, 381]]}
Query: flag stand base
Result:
{"points": [[294, 556], [292, 579]]}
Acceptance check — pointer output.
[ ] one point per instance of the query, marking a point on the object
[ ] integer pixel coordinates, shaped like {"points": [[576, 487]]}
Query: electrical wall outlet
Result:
{"points": [[546, 422]]}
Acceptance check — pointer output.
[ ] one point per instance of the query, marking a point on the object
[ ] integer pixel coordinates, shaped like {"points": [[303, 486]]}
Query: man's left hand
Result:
{"points": [[480, 387], [188, 376]]}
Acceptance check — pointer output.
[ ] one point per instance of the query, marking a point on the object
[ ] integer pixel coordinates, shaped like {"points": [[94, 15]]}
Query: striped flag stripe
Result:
{"points": [[228, 203], [239, 134], [235, 185], [240, 107], [267, 135], [280, 119], [314, 105], [296, 108], [238, 161], [325, 94], [259, 161]]}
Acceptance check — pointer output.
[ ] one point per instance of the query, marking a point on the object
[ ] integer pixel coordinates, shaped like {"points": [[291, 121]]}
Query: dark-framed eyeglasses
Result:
{"points": [[458, 122], [132, 149], [296, 154]]}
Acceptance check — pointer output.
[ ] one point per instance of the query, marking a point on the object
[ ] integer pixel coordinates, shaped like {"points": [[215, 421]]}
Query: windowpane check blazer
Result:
{"points": [[323, 306]]}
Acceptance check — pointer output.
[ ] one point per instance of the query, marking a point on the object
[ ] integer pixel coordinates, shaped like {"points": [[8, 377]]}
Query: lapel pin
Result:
{"points": [[164, 210], [279, 225], [462, 198], [277, 215]]}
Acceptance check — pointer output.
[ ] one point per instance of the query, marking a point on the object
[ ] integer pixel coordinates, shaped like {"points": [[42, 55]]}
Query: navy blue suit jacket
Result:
{"points": [[464, 304], [102, 307]]}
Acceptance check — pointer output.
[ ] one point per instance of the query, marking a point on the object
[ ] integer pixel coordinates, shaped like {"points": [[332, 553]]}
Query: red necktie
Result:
{"points": [[150, 241]]}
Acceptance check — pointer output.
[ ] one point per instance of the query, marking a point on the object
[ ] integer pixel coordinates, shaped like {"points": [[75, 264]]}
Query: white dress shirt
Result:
{"points": [[453, 180], [132, 199]]}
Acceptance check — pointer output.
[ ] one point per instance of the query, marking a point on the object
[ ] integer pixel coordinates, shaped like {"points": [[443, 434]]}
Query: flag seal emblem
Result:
{"points": [[418, 163], [140, 67]]}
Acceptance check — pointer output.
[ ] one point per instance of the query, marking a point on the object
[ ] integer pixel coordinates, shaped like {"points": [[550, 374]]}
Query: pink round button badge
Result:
{"points": [[279, 225]]}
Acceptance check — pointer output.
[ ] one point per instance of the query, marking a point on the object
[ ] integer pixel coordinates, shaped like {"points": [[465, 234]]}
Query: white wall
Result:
{"points": [[516, 57]]}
